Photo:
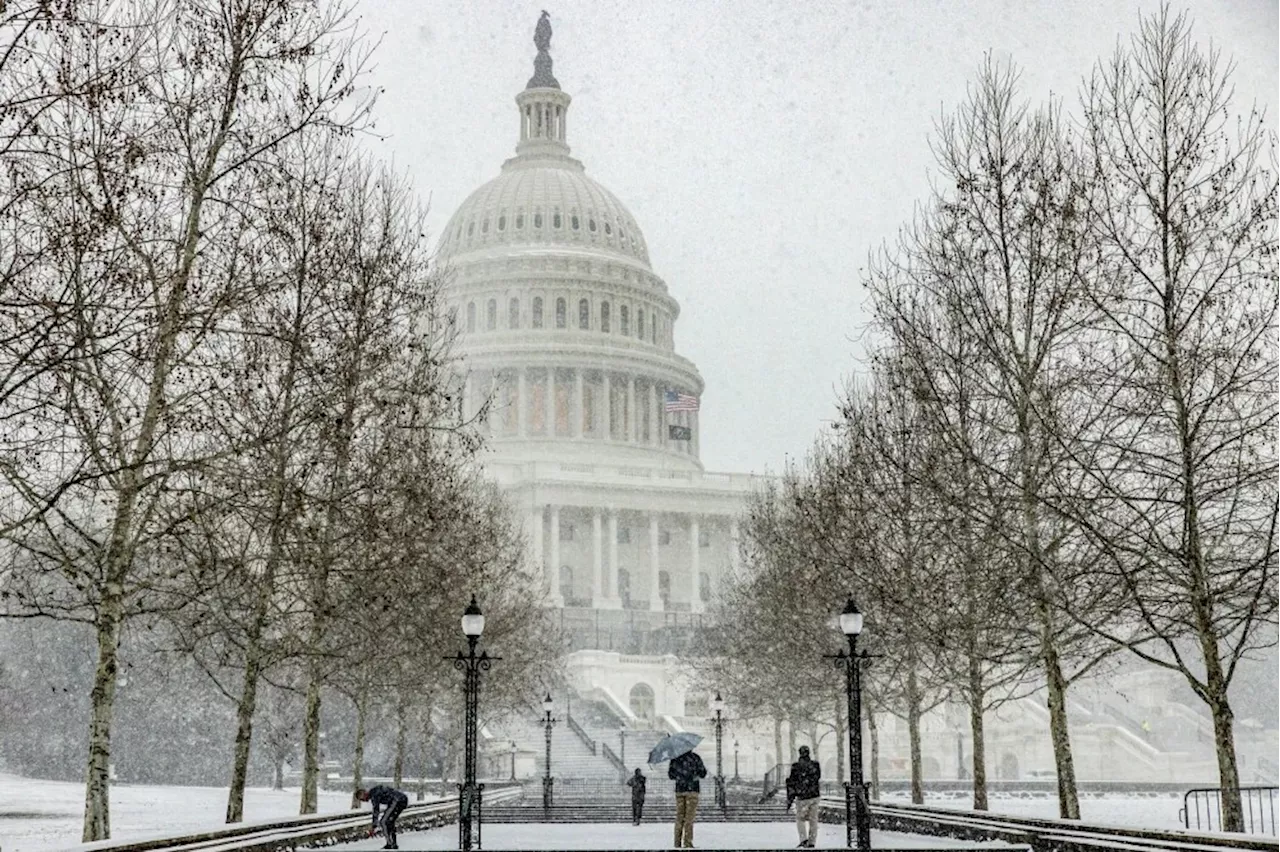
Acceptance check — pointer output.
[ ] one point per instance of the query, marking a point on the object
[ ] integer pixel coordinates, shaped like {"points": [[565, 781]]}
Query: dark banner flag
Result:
{"points": [[679, 433]]}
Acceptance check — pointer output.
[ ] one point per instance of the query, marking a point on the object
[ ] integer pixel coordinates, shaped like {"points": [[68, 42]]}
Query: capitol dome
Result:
{"points": [[538, 201], [566, 332]]}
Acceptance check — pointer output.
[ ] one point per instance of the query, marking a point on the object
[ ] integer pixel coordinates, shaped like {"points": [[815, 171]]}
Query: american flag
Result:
{"points": [[676, 401]]}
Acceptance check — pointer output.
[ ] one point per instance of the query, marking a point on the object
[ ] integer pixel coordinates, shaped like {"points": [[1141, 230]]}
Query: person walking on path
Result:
{"points": [[391, 801], [803, 786], [636, 783], [685, 770]]}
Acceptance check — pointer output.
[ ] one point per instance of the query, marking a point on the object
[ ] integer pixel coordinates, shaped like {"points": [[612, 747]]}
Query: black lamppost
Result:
{"points": [[717, 704], [857, 817], [469, 792], [736, 779], [513, 760], [548, 723]]}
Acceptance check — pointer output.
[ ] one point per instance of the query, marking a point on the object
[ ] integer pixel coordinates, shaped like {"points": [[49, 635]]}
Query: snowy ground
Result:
{"points": [[759, 835], [42, 815], [1157, 810], [36, 816]]}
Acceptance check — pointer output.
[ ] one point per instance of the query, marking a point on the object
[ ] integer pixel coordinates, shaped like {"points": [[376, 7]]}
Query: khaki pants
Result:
{"points": [[686, 807], [807, 809]]}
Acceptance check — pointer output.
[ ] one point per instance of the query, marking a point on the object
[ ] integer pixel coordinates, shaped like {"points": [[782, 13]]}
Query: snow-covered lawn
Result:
{"points": [[758, 835], [42, 815], [1137, 811]]}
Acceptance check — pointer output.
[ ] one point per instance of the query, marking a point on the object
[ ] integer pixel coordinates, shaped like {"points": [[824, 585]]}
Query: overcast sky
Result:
{"points": [[764, 147]]}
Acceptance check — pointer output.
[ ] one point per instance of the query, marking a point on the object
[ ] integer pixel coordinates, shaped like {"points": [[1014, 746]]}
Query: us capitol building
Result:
{"points": [[569, 335]]}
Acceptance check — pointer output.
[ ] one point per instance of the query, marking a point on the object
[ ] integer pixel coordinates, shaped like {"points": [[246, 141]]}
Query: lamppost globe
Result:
{"points": [[472, 621], [851, 619], [717, 703], [547, 703]]}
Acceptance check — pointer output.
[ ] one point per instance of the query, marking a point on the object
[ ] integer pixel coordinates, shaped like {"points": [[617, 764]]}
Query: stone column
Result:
{"points": [[576, 409], [522, 403], [612, 600], [694, 442], [549, 407], [695, 599], [597, 560], [607, 420], [553, 569], [655, 567], [655, 415], [632, 430]]}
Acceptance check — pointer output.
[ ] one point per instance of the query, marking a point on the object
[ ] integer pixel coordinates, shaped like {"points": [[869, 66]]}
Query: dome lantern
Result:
{"points": [[544, 107]]}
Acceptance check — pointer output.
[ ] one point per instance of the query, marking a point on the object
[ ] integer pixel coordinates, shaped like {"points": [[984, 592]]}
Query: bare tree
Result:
{"points": [[1177, 486]]}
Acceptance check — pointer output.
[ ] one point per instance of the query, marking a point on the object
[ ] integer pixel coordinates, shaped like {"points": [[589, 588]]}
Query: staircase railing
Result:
{"points": [[612, 758], [582, 734], [774, 780]]}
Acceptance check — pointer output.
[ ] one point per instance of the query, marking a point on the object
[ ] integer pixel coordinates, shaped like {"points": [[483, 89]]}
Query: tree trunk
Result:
{"points": [[279, 779], [357, 759], [976, 728], [1068, 800], [244, 729], [791, 742], [813, 739], [426, 754], [1228, 771], [777, 741], [97, 813], [311, 744], [913, 735], [873, 735], [401, 737]]}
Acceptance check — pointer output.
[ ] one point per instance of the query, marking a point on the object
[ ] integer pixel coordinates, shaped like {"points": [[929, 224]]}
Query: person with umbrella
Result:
{"points": [[685, 769]]}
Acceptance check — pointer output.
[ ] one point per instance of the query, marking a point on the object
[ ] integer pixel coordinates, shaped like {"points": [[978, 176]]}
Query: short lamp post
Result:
{"points": [[547, 723], [856, 812], [736, 779], [513, 760], [717, 704], [469, 792]]}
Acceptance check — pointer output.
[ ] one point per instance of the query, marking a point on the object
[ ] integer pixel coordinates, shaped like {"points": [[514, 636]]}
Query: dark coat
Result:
{"points": [[384, 797], [636, 783], [802, 783], [685, 770]]}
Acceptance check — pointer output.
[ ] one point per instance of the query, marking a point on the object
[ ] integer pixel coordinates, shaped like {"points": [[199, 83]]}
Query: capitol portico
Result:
{"points": [[568, 337]]}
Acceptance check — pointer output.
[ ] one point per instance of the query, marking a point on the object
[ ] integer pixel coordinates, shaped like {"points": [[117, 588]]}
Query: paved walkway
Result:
{"points": [[616, 836]]}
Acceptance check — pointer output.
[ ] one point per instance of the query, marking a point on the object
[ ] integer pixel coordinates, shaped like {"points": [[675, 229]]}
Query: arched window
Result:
{"points": [[520, 221], [704, 587], [560, 313], [640, 324], [502, 222], [484, 226], [604, 317], [573, 221], [537, 312], [513, 313], [491, 318], [591, 225], [537, 219], [624, 327], [584, 314], [641, 700], [555, 219], [664, 586], [471, 316]]}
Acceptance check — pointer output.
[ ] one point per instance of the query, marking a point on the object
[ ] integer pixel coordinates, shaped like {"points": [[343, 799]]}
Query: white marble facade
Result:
{"points": [[568, 340]]}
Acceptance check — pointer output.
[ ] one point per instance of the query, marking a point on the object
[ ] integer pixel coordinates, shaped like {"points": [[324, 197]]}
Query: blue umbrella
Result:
{"points": [[673, 745]]}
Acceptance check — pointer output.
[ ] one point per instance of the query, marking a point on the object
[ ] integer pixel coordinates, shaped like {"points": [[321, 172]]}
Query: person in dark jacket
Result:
{"points": [[636, 783], [685, 770], [391, 802], [804, 787]]}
